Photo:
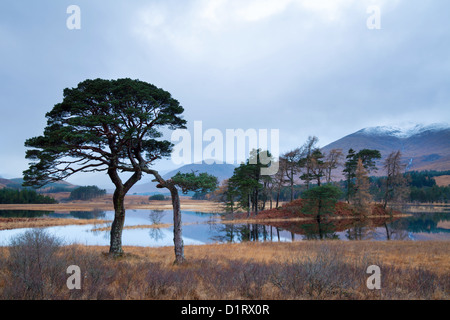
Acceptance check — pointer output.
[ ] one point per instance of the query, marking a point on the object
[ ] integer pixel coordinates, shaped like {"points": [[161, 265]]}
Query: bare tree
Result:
{"points": [[278, 179], [317, 166], [396, 184], [267, 191], [307, 150], [292, 167], [332, 160]]}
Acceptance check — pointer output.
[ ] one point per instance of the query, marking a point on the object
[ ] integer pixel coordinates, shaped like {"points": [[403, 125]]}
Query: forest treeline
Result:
{"points": [[24, 196], [86, 193], [31, 196], [308, 171], [422, 187]]}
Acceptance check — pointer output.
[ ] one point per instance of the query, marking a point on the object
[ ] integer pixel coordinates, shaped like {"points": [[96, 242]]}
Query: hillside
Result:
{"points": [[221, 171], [7, 183], [442, 181], [17, 184], [423, 147]]}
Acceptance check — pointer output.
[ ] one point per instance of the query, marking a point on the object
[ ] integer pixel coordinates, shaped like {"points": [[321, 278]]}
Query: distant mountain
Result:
{"points": [[17, 184], [221, 171], [424, 147], [7, 183]]}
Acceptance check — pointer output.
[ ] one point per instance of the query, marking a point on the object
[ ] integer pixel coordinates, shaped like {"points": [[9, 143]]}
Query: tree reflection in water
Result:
{"points": [[325, 229], [155, 217]]}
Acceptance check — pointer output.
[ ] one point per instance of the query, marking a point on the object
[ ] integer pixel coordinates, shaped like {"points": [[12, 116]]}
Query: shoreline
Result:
{"points": [[131, 203], [134, 202], [20, 223]]}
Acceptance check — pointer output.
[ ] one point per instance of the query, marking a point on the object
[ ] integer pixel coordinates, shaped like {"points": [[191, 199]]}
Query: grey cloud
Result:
{"points": [[292, 68]]}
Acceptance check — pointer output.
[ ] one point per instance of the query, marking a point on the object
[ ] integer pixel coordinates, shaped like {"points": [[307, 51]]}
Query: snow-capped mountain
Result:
{"points": [[424, 147], [405, 131]]}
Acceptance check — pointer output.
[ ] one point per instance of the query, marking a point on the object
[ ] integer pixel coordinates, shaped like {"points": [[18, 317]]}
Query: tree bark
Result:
{"points": [[278, 198], [388, 235], [119, 209], [177, 231], [256, 201], [249, 204], [118, 223], [292, 185]]}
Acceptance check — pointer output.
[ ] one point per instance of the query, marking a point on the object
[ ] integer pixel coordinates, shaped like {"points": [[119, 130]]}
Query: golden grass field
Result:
{"points": [[431, 255], [105, 203], [250, 270], [17, 223]]}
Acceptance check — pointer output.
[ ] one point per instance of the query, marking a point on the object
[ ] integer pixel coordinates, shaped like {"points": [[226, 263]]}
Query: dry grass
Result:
{"points": [[431, 255], [131, 202], [252, 270], [151, 226], [444, 224], [140, 226], [442, 181], [103, 203]]}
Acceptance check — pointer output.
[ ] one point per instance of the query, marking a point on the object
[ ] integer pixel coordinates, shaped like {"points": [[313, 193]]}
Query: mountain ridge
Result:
{"points": [[405, 131], [221, 171], [16, 183], [424, 147]]}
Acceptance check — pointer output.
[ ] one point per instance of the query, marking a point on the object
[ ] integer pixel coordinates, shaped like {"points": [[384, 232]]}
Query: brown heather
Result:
{"points": [[299, 270]]}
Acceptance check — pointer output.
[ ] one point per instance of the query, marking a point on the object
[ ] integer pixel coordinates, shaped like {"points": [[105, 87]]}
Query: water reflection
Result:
{"points": [[231, 233], [200, 228], [393, 228], [155, 217], [94, 214], [424, 222], [24, 213]]}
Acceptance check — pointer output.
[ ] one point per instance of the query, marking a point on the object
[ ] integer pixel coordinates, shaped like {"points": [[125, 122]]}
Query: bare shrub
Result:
{"points": [[125, 282], [250, 278], [97, 276], [157, 281], [216, 279], [328, 274], [414, 283], [33, 266]]}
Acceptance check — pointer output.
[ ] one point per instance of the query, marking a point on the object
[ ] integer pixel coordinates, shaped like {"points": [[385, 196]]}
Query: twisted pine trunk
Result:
{"points": [[119, 209], [118, 223], [177, 232]]}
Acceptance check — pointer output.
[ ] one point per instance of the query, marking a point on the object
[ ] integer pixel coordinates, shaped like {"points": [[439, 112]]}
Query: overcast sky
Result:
{"points": [[305, 67]]}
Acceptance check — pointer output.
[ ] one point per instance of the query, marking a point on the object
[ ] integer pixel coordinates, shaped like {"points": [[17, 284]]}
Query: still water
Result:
{"points": [[203, 228]]}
